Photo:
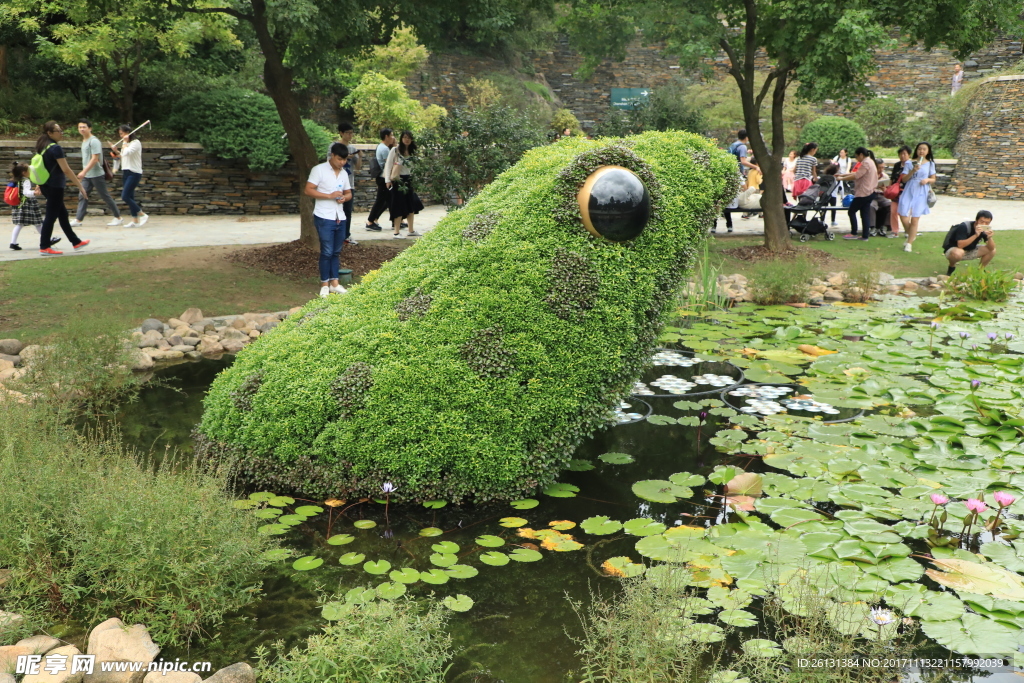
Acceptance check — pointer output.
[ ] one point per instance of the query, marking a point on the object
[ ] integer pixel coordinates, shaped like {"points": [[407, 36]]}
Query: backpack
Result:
{"points": [[950, 240], [734, 149], [37, 171], [12, 195]]}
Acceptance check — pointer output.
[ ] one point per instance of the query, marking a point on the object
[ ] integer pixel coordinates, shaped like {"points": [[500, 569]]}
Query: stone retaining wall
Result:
{"points": [[180, 178], [990, 145]]}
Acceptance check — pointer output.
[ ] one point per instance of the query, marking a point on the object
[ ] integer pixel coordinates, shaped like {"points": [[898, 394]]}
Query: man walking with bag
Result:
{"points": [[93, 175], [380, 157]]}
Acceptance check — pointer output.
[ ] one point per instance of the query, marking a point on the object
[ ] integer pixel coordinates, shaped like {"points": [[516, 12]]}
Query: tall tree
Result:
{"points": [[821, 47]]}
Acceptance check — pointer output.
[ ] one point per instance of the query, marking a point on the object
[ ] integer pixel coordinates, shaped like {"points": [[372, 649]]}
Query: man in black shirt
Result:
{"points": [[970, 240]]}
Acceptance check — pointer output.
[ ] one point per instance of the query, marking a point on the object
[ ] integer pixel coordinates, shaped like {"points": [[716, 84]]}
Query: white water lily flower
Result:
{"points": [[882, 616], [388, 487]]}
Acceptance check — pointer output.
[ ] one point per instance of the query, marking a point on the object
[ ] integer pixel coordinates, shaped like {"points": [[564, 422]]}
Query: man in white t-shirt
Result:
{"points": [[329, 184]]}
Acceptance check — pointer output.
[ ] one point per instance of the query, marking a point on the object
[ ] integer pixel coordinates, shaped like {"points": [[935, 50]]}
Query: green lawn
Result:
{"points": [[116, 291], [878, 254]]}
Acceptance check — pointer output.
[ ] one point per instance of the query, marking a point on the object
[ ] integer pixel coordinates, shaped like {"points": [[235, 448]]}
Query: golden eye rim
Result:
{"points": [[583, 196]]}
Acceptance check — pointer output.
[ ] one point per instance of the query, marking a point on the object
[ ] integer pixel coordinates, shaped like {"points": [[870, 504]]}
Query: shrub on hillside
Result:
{"points": [[236, 124], [379, 102], [833, 133], [494, 345], [564, 118], [669, 107], [882, 119], [88, 534]]}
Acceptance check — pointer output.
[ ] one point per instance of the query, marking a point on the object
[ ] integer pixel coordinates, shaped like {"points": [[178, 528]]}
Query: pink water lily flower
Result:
{"points": [[939, 499], [1004, 499], [976, 506]]}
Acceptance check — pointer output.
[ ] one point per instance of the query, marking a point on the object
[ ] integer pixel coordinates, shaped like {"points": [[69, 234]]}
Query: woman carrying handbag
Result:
{"points": [[405, 204]]}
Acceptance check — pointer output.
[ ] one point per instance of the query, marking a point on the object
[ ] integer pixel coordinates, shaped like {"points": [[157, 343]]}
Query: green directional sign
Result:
{"points": [[628, 98]]}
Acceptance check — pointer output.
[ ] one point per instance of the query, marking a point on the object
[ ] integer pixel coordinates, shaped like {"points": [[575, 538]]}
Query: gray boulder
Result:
{"points": [[12, 347], [39, 644], [14, 359], [152, 324], [236, 673]]}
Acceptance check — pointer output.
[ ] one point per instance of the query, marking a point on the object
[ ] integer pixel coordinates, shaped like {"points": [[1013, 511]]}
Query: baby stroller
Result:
{"points": [[807, 217]]}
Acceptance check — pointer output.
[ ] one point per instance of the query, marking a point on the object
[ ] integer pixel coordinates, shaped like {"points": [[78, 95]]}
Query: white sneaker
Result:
{"points": [[116, 221], [907, 247], [399, 236], [338, 290], [75, 222], [413, 233], [142, 221], [324, 291], [131, 224], [351, 241]]}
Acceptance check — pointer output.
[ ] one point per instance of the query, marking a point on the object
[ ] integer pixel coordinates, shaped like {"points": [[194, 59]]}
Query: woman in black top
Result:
{"points": [[53, 189]]}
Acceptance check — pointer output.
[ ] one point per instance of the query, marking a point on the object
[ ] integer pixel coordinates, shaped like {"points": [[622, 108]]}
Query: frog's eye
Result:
{"points": [[614, 204]]}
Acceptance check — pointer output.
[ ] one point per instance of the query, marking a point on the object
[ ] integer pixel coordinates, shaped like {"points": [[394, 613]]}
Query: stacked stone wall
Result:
{"points": [[990, 147]]}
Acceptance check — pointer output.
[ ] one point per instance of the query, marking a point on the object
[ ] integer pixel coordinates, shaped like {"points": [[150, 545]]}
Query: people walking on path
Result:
{"points": [[354, 163], [93, 175], [405, 203], [806, 171], [740, 148], [865, 181], [918, 177], [131, 173], [27, 212], [377, 163], [970, 240], [328, 183], [55, 166], [958, 79]]}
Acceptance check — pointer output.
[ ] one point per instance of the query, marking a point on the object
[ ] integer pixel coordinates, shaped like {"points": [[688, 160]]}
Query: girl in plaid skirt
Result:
{"points": [[27, 212]]}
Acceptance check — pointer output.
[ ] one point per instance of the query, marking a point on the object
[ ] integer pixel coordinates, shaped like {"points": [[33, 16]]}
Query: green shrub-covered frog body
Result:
{"points": [[472, 365]]}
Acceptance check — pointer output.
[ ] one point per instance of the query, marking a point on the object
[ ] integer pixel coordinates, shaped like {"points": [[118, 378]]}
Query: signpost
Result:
{"points": [[629, 98]]}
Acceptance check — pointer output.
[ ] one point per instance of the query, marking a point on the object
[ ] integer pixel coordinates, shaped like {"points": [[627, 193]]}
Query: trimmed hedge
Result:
{"points": [[460, 370], [833, 133]]}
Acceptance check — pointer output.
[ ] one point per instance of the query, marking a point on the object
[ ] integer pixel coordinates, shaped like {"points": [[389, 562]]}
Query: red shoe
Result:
{"points": [[82, 244], [50, 252]]}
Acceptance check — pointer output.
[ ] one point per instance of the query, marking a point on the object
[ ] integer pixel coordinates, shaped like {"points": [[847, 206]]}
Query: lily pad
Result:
{"points": [[308, 510], [336, 611], [272, 529], [983, 579], [686, 479], [431, 531], [524, 555], [660, 491], [642, 526], [562, 490], [526, 503], [276, 554], [364, 524], [737, 617], [623, 566], [600, 526], [261, 496], [445, 547], [562, 524], [972, 635], [577, 465], [405, 575], [458, 603], [340, 539], [761, 647], [304, 564], [378, 567], [434, 576], [244, 504], [359, 596], [291, 520], [351, 558], [280, 501], [616, 458], [489, 541], [443, 559], [462, 571], [434, 504], [511, 522], [494, 558], [391, 590], [267, 513]]}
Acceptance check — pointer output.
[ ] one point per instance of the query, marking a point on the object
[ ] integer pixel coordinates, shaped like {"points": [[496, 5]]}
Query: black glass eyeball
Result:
{"points": [[614, 204]]}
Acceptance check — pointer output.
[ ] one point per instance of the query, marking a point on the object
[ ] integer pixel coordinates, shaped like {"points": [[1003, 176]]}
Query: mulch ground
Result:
{"points": [[759, 252], [295, 260]]}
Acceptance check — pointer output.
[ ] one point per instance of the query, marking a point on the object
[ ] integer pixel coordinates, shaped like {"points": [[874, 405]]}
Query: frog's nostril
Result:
{"points": [[614, 204]]}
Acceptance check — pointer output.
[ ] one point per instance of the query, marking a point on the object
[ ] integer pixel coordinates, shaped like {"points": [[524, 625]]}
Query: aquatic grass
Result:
{"points": [[781, 281], [983, 284]]}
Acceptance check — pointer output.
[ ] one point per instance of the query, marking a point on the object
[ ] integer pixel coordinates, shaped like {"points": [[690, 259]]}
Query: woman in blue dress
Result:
{"points": [[918, 177]]}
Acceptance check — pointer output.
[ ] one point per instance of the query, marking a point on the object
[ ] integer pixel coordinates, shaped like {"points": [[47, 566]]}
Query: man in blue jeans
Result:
{"points": [[329, 184]]}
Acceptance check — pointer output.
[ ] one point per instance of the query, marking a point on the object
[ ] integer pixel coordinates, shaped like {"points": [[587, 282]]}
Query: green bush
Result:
{"points": [[669, 107], [237, 124], [368, 643], [562, 119], [455, 165], [984, 284], [833, 133], [498, 275], [88, 534], [781, 281], [882, 119], [380, 102]]}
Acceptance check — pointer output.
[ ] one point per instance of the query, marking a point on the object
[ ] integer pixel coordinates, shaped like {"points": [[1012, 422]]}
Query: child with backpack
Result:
{"points": [[22, 198]]}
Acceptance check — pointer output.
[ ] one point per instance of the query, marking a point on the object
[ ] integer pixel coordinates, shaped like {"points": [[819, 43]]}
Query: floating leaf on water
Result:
{"points": [[431, 531], [267, 513], [340, 539], [244, 504], [526, 503], [737, 617], [434, 576], [364, 524], [642, 526], [461, 571], [445, 547], [1006, 556], [561, 545], [391, 590], [561, 490], [434, 504], [684, 531], [351, 558], [272, 529], [308, 510], [577, 465], [524, 555], [304, 564], [458, 603], [378, 567], [660, 491], [494, 558], [745, 484], [760, 647], [658, 547], [686, 479], [600, 526], [660, 420], [972, 634], [511, 522], [443, 559], [276, 554], [406, 575], [972, 577], [359, 596], [336, 611], [261, 496], [622, 567], [728, 599], [562, 524], [291, 520], [280, 501], [489, 541], [334, 503], [616, 458]]}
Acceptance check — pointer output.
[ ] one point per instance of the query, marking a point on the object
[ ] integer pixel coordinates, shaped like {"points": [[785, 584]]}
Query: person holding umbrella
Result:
{"points": [[131, 172]]}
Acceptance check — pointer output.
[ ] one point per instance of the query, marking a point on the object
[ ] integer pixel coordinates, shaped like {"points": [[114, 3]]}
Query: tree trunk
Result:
{"points": [[278, 80], [5, 80]]}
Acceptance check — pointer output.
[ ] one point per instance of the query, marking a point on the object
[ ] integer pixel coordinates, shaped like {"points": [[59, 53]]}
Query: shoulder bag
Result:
{"points": [[396, 168]]}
